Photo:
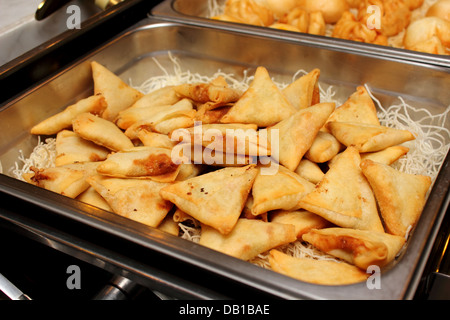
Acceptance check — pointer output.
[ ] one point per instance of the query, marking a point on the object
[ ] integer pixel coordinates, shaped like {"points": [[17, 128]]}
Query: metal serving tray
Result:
{"points": [[196, 12], [206, 50]]}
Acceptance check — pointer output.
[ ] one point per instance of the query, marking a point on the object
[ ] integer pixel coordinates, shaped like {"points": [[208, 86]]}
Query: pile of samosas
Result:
{"points": [[268, 168]]}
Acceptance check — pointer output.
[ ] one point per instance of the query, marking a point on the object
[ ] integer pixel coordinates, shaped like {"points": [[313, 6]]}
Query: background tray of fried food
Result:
{"points": [[407, 29], [201, 50]]}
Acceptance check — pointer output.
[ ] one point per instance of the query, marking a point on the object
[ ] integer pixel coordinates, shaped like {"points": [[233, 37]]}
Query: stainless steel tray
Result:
{"points": [[205, 50], [196, 12]]}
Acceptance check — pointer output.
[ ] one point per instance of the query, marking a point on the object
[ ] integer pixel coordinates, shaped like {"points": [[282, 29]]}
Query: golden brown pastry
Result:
{"points": [[344, 196], [117, 93], [366, 137], [414, 4], [303, 21], [212, 95], [395, 15], [325, 272], [141, 162], [332, 10], [278, 7], [93, 198], [361, 248], [302, 220], [95, 104], [71, 148], [310, 171], [401, 196], [262, 103], [282, 190], [429, 35], [324, 147], [248, 238], [440, 9], [159, 97], [304, 92], [68, 180], [216, 198], [250, 12], [298, 132], [101, 131], [135, 199], [349, 28], [359, 107]]}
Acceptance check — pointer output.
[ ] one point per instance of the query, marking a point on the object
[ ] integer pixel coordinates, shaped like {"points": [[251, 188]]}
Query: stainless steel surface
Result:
{"points": [[11, 290], [120, 288], [27, 33], [205, 50], [196, 12]]}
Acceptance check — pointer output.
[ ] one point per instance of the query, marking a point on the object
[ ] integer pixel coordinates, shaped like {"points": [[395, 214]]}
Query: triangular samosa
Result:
{"points": [[141, 162], [215, 198], [68, 180], [282, 190], [117, 93], [262, 104], [366, 137], [71, 148], [361, 248], [344, 196], [95, 104], [304, 92], [249, 238], [358, 108], [401, 196], [325, 272], [297, 133], [135, 199], [302, 220], [101, 131]]}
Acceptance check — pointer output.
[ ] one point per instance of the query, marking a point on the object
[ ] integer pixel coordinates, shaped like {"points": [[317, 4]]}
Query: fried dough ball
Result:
{"points": [[250, 12], [332, 10], [429, 35], [414, 4], [348, 27], [354, 3], [278, 7], [312, 23], [395, 15], [440, 9]]}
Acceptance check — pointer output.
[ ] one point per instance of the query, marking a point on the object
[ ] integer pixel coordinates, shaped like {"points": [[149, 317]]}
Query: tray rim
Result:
{"points": [[165, 10]]}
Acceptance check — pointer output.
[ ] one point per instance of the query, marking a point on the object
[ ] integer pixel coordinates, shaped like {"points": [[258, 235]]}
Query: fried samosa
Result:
{"points": [[344, 196], [262, 104], [401, 196], [325, 272], [361, 248], [248, 238], [215, 198]]}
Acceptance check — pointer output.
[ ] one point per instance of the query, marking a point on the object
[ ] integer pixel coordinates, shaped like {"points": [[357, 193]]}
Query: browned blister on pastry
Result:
{"points": [[117, 93], [362, 248], [71, 148], [135, 199]]}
